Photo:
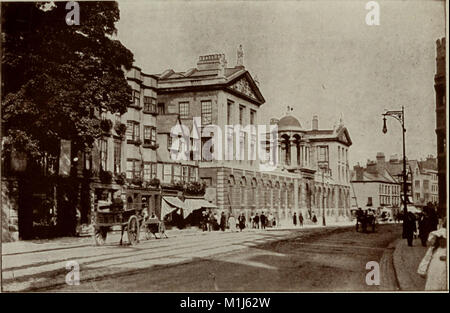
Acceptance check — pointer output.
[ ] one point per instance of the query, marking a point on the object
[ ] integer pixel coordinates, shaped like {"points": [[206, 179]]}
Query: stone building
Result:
{"points": [[221, 96], [425, 181], [374, 186], [441, 124]]}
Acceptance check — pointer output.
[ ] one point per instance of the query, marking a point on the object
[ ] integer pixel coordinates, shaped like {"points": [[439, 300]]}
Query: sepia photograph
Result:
{"points": [[224, 152]]}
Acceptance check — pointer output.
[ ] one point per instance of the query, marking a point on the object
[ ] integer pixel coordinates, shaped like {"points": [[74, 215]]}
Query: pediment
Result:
{"points": [[243, 86], [246, 86], [344, 137]]}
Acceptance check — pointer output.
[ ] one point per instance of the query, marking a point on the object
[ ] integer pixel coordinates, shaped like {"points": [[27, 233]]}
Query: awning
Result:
{"points": [[409, 199], [170, 204], [413, 209], [195, 204]]}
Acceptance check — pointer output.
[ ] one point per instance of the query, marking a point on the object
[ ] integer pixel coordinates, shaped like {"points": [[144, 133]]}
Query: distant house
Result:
{"points": [[374, 187]]}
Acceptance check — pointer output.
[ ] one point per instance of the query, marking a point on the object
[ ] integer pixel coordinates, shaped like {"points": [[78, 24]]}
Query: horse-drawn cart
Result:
{"points": [[109, 215], [366, 218], [153, 226]]}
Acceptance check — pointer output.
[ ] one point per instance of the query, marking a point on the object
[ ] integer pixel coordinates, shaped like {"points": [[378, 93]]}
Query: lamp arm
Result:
{"points": [[398, 115]]}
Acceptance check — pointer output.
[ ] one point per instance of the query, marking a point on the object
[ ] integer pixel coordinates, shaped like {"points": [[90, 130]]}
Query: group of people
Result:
{"points": [[262, 221], [300, 219], [420, 225], [212, 221]]}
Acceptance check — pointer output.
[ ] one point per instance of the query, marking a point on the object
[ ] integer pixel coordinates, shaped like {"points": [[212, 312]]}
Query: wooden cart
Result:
{"points": [[153, 226], [108, 216]]}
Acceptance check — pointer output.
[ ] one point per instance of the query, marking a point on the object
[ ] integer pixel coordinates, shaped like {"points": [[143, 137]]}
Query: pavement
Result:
{"points": [[406, 260]]}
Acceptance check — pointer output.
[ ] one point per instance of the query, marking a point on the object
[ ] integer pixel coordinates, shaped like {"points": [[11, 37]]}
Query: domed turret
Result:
{"points": [[289, 122]]}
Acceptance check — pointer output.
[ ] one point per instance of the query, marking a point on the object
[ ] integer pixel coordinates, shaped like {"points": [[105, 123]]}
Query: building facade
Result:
{"points": [[312, 176], [134, 160], [425, 183], [441, 124], [375, 187]]}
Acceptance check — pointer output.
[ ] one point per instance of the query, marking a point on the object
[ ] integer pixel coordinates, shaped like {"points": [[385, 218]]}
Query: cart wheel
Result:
{"points": [[133, 230], [100, 236]]}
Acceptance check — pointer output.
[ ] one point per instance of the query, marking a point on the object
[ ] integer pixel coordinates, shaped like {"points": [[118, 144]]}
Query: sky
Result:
{"points": [[319, 57]]}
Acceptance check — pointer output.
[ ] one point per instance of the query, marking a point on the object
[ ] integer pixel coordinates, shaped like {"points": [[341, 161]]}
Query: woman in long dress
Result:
{"points": [[437, 269], [232, 223]]}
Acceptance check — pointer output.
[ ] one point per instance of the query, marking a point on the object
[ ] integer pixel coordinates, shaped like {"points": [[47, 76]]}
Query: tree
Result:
{"points": [[57, 78]]}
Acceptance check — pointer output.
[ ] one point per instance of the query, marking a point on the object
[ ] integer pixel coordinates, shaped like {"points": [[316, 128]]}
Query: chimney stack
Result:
{"points": [[213, 62], [359, 170], [240, 57], [381, 162], [315, 122]]}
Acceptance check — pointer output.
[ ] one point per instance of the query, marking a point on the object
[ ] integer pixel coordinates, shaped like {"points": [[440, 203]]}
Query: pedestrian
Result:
{"points": [[314, 219], [252, 220], [359, 216], [232, 223], [256, 220], [223, 221], [434, 264], [300, 219], [270, 220], [409, 227], [263, 220], [241, 222], [424, 230], [295, 219], [211, 220]]}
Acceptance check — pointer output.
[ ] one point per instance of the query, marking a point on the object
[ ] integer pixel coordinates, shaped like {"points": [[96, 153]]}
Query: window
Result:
{"points": [[149, 135], [229, 112], [167, 173], [369, 201], [147, 171], [253, 147], [252, 117], [184, 109], [161, 109], [417, 184], [206, 112], [323, 156], [185, 173], [230, 142], [207, 151], [117, 156], [103, 154], [176, 173], [241, 114], [426, 184], [241, 146], [193, 173], [132, 130], [136, 98], [169, 142], [149, 105], [153, 170], [133, 169]]}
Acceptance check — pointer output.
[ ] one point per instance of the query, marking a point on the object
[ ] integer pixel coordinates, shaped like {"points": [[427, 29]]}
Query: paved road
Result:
{"points": [[331, 259]]}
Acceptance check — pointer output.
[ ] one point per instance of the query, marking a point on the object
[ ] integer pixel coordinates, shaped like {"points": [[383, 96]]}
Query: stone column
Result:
{"points": [[279, 154], [293, 151], [296, 206]]}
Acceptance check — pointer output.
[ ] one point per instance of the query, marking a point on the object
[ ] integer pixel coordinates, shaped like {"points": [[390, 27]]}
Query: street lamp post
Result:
{"points": [[323, 198], [400, 116]]}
